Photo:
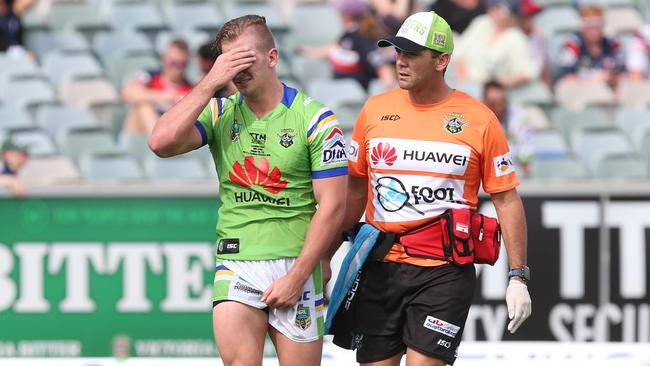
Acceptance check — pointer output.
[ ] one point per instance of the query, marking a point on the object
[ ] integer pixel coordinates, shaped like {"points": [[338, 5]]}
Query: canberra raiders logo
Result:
{"points": [[454, 124], [303, 317], [235, 128], [286, 140]]}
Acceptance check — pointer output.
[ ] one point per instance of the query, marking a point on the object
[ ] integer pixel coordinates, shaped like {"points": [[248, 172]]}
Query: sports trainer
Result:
{"points": [[416, 152]]}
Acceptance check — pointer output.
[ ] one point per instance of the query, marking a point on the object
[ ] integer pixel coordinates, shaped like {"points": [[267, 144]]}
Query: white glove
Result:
{"points": [[519, 304]]}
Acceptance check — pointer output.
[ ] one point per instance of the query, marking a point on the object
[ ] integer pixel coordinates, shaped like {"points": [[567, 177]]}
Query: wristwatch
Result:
{"points": [[523, 272]]}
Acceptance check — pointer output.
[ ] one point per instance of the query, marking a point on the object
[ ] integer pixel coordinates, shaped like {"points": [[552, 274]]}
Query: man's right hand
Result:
{"points": [[229, 64], [326, 271]]}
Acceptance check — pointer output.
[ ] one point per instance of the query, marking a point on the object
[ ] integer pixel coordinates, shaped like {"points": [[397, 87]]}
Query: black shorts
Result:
{"points": [[422, 308]]}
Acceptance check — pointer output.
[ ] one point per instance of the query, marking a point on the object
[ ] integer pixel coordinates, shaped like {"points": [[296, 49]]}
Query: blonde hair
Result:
{"points": [[589, 11], [235, 27]]}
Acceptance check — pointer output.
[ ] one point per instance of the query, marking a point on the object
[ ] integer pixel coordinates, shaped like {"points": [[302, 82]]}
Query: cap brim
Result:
{"points": [[401, 43]]}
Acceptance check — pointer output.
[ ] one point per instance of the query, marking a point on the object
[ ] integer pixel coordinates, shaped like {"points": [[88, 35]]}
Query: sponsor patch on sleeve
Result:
{"points": [[503, 164], [353, 151], [334, 148], [441, 326]]}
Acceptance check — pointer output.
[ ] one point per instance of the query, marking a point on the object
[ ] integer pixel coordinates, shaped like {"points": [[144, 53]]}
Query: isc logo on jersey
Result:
{"points": [[334, 148], [419, 156]]}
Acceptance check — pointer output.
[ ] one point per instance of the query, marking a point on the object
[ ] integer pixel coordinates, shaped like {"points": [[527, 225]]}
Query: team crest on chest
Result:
{"points": [[454, 123], [235, 129], [286, 138]]}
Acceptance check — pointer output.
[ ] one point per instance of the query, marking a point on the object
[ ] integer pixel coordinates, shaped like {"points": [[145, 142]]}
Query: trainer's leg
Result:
{"points": [[415, 358], [291, 353], [239, 331], [393, 361]]}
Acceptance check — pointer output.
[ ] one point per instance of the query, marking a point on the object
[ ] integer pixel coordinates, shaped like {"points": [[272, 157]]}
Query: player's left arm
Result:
{"points": [[510, 212], [330, 193]]}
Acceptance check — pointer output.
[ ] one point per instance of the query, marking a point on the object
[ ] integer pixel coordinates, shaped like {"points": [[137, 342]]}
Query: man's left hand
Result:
{"points": [[283, 292], [519, 304]]}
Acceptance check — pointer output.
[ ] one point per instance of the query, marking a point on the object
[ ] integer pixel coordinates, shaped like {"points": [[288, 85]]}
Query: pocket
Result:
{"points": [[461, 241], [486, 233], [426, 241]]}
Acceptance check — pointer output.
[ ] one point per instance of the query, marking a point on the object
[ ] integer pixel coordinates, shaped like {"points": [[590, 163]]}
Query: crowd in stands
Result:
{"points": [[544, 68]]}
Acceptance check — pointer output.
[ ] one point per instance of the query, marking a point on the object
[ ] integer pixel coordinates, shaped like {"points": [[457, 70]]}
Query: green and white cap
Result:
{"points": [[421, 31]]}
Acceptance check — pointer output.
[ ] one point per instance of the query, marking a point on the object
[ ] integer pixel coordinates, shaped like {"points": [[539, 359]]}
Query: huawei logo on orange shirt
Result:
{"points": [[251, 174], [383, 152]]}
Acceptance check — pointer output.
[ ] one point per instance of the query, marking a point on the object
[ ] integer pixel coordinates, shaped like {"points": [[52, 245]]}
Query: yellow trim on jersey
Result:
{"points": [[320, 126]]}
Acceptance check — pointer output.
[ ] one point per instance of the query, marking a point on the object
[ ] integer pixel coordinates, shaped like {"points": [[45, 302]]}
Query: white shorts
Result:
{"points": [[246, 281]]}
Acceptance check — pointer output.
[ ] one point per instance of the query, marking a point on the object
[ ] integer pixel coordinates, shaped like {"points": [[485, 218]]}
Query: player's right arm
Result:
{"points": [[175, 133]]}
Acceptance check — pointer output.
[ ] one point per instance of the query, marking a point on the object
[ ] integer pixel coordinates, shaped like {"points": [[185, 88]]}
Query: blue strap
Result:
{"points": [[363, 243]]}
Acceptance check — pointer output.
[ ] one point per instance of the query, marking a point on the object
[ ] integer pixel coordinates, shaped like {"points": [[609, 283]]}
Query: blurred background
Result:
{"points": [[106, 251]]}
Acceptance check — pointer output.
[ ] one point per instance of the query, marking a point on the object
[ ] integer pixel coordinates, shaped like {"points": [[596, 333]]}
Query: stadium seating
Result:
{"points": [[634, 122], [306, 69], [14, 117], [337, 92], [49, 170], [57, 119], [142, 16], [593, 144], [308, 22], [46, 41], [77, 15], [569, 121], [38, 141], [580, 93], [64, 103], [622, 19], [59, 66], [195, 16], [110, 167], [88, 92], [27, 92], [121, 69], [558, 19], [549, 144], [634, 94], [195, 38], [535, 92], [119, 43], [17, 67], [174, 169], [78, 142], [622, 167], [565, 168]]}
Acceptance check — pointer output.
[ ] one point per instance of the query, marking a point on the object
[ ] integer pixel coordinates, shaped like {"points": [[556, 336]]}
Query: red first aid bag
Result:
{"points": [[458, 236], [487, 239]]}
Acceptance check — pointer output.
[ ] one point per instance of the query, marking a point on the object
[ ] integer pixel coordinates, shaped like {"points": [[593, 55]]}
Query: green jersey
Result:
{"points": [[265, 168]]}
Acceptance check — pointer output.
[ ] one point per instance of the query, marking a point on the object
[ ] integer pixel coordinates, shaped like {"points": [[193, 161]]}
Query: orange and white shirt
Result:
{"points": [[421, 160]]}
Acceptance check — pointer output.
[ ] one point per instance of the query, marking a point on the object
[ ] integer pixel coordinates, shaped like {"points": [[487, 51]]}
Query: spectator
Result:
{"points": [[513, 122], [14, 157], [459, 13], [589, 55], [152, 93], [356, 54], [206, 56], [492, 47], [536, 38], [11, 29], [637, 58], [391, 13]]}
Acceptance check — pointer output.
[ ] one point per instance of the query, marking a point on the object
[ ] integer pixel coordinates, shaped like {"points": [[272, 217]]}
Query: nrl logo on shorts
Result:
{"points": [[303, 317], [454, 124], [235, 128]]}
